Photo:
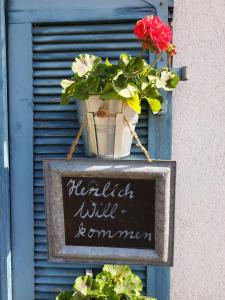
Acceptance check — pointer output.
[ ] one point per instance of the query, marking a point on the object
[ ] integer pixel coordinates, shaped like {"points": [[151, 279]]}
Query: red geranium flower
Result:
{"points": [[140, 29], [154, 34]]}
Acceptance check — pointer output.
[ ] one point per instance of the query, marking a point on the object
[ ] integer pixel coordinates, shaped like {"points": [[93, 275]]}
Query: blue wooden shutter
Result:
{"points": [[43, 41], [54, 48]]}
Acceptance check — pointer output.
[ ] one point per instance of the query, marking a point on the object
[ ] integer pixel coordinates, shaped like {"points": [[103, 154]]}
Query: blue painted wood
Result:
{"points": [[132, 45], [151, 281], [5, 245], [21, 153], [159, 146], [49, 120], [53, 51], [38, 11], [83, 29]]}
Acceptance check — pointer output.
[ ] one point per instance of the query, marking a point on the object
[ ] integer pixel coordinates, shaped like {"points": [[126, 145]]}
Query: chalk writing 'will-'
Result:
{"points": [[109, 234], [78, 188], [97, 211]]}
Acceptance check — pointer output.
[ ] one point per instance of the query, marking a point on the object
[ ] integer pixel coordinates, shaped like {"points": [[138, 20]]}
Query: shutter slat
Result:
{"points": [[47, 91], [60, 149], [85, 38], [46, 82], [43, 296], [52, 288], [74, 29], [52, 73], [69, 56], [70, 133], [55, 273], [39, 232], [58, 107], [122, 45], [39, 207], [45, 99], [68, 141], [64, 115], [68, 115], [39, 215]]}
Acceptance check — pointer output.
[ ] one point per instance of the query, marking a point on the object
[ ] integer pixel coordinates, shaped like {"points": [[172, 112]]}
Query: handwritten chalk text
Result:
{"points": [[109, 234], [78, 188]]}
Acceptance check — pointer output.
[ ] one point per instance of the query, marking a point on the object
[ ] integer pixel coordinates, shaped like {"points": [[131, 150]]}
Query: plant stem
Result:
{"points": [[155, 61]]}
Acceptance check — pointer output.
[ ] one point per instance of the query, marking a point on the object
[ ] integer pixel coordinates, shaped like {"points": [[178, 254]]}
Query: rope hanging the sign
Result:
{"points": [[139, 144], [84, 124]]}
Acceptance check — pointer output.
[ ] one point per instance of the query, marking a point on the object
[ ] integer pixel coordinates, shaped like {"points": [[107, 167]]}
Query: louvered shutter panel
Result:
{"points": [[56, 40], [54, 48]]}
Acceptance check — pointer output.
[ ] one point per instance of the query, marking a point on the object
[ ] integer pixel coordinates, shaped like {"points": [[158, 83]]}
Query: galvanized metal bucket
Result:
{"points": [[107, 135]]}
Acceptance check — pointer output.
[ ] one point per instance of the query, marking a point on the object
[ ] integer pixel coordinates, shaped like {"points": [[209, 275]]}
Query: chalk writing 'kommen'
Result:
{"points": [[102, 233]]}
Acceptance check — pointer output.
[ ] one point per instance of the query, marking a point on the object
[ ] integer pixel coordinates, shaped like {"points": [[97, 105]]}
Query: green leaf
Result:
{"points": [[150, 91], [155, 104], [127, 92], [115, 282], [165, 76], [82, 284], [135, 66], [130, 285], [120, 80], [93, 84], [116, 270], [86, 287], [85, 63], [124, 60], [152, 72], [108, 64], [81, 90], [143, 298], [76, 296], [64, 296], [167, 80], [173, 82], [144, 85], [65, 99], [134, 103], [67, 86], [66, 83], [99, 70], [110, 94], [104, 280]]}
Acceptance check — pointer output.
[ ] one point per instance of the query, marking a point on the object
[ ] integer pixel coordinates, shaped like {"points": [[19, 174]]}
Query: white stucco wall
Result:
{"points": [[199, 148]]}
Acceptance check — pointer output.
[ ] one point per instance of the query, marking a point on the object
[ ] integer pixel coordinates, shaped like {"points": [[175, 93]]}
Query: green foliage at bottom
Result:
{"points": [[113, 283]]}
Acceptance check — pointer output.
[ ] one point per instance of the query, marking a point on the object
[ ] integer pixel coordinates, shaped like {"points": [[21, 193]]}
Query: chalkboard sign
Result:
{"points": [[110, 211]]}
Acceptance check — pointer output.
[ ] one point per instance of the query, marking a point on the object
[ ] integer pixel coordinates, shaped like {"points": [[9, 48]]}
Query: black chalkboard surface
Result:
{"points": [[109, 212]]}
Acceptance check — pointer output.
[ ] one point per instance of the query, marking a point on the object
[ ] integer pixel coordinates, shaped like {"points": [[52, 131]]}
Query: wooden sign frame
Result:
{"points": [[163, 172]]}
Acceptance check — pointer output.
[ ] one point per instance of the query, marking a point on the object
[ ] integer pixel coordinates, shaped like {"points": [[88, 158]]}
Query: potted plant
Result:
{"points": [[109, 96], [113, 283]]}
